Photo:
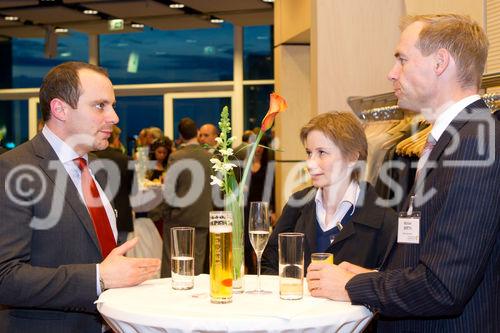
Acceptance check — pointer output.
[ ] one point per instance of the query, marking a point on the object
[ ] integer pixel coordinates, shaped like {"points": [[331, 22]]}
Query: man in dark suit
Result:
{"points": [[446, 277], [58, 245], [122, 185], [188, 196]]}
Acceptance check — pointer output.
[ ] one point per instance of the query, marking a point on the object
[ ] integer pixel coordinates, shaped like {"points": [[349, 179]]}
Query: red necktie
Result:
{"points": [[96, 209]]}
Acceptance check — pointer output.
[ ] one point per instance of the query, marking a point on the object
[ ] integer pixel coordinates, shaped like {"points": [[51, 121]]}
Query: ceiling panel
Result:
{"points": [[225, 5], [98, 27], [176, 22], [85, 2], [17, 3], [126, 9], [25, 31], [53, 14], [153, 13], [10, 23], [249, 19]]}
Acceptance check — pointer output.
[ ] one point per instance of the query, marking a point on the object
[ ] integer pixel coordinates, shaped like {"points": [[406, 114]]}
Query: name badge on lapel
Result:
{"points": [[409, 226]]}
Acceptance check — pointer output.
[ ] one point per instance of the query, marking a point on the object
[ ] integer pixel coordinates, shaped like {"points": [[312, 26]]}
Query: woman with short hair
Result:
{"points": [[338, 214]]}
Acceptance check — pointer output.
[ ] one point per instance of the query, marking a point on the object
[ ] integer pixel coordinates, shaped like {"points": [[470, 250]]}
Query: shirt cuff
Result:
{"points": [[97, 278]]}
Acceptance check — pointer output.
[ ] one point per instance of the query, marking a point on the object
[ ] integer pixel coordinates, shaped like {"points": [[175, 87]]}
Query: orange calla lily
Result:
{"points": [[277, 104]]}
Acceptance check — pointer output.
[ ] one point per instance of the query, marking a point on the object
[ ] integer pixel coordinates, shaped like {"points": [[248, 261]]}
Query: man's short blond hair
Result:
{"points": [[461, 36]]}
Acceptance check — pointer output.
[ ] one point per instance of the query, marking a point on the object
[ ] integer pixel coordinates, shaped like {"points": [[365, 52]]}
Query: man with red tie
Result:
{"points": [[58, 248]]}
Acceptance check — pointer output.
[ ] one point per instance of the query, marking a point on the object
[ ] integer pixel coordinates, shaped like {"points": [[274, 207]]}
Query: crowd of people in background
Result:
{"points": [[163, 151]]}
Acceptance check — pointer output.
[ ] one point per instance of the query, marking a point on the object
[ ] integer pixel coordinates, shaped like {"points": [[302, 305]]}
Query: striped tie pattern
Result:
{"points": [[429, 145]]}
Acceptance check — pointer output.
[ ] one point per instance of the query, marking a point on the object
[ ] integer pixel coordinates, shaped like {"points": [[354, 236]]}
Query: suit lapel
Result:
{"points": [[446, 140], [308, 220], [68, 190]]}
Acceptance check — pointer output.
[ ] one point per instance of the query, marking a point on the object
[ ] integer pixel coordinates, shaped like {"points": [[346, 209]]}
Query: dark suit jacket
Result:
{"points": [[450, 282], [47, 268], [365, 240], [178, 209], [121, 200]]}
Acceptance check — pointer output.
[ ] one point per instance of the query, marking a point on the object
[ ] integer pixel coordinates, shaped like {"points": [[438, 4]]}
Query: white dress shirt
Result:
{"points": [[445, 118], [67, 155], [348, 200]]}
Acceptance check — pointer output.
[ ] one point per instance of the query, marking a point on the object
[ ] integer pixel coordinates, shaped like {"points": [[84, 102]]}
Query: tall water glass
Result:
{"points": [[291, 265], [259, 229], [182, 257], [221, 257]]}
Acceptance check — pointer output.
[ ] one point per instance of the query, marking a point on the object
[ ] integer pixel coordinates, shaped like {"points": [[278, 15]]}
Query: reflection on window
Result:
{"points": [[13, 123], [201, 110], [258, 53], [155, 56], [136, 113], [29, 64], [256, 100]]}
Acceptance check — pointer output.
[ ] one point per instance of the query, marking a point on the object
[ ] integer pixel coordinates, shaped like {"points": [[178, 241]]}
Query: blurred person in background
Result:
{"points": [[181, 180], [206, 136], [159, 152]]}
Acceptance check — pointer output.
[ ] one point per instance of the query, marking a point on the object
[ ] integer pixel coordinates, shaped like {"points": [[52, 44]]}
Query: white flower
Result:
{"points": [[228, 166], [216, 181], [226, 152], [218, 140]]}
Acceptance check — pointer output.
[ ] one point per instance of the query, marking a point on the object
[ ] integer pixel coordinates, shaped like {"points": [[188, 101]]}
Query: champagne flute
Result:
{"points": [[259, 230]]}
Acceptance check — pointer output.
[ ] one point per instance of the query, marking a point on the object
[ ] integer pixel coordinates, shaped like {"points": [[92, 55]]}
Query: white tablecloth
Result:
{"points": [[155, 307]]}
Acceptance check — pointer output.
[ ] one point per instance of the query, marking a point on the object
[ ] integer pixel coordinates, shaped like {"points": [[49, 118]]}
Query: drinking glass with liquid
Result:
{"points": [[221, 258], [259, 229], [182, 257], [322, 257], [291, 265]]}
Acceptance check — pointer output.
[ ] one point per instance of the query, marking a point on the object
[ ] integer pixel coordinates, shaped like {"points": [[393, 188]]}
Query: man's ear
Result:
{"points": [[58, 109], [442, 59]]}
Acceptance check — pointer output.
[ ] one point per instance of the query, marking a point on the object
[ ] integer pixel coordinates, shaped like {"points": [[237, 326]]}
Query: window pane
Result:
{"points": [[258, 53], [201, 110], [30, 64], [13, 123], [136, 113], [256, 99], [155, 56]]}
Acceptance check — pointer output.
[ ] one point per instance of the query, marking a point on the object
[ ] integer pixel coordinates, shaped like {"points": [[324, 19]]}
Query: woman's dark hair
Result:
{"points": [[162, 142]]}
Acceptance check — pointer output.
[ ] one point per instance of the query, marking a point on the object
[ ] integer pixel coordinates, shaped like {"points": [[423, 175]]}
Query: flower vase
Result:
{"points": [[238, 244]]}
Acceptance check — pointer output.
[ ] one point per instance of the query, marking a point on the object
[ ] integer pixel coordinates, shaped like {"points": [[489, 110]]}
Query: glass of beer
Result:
{"points": [[291, 265], [221, 257], [320, 257], [182, 257]]}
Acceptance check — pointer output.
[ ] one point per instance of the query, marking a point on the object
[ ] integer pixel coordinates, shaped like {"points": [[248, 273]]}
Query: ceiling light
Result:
{"points": [[11, 18], [90, 12], [60, 30], [270, 1], [216, 20], [137, 25], [176, 5]]}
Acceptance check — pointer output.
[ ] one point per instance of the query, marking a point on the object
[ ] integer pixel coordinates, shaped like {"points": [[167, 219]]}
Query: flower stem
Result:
{"points": [[248, 166]]}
